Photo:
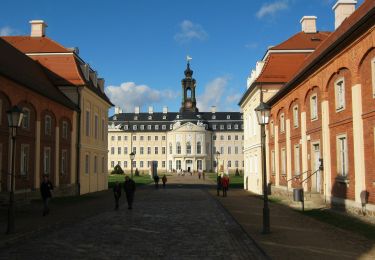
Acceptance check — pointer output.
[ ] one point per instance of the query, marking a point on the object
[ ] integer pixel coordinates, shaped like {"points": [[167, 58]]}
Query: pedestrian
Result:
{"points": [[156, 180], [199, 174], [129, 187], [218, 184], [164, 179], [45, 190], [117, 193], [225, 184]]}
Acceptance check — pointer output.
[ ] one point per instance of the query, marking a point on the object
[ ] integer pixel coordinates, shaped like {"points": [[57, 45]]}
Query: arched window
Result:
{"points": [[178, 148], [47, 125], [188, 148], [26, 118], [188, 93], [199, 148]]}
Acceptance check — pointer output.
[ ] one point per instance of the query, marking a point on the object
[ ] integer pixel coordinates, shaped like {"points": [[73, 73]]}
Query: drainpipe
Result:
{"points": [[78, 152]]}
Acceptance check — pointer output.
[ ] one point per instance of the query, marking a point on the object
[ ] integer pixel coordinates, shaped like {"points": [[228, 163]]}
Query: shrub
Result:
{"points": [[117, 170]]}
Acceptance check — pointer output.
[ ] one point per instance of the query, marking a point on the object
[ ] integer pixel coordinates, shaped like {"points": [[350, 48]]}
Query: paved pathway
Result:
{"points": [[182, 221]]}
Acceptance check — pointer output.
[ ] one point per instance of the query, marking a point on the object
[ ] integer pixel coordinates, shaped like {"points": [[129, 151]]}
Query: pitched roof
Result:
{"points": [[28, 44], [20, 68], [351, 28], [302, 41]]}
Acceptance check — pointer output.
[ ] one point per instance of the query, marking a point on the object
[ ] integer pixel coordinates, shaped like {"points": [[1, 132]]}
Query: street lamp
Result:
{"points": [[263, 115], [15, 116], [217, 162], [132, 155]]}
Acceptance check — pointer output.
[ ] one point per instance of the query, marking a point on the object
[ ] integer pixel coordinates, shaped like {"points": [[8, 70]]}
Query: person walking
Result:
{"points": [[45, 190], [129, 187], [225, 184], [199, 174], [218, 184], [164, 179], [156, 180], [117, 193]]}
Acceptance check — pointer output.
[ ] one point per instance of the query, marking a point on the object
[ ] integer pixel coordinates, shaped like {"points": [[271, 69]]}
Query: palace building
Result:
{"points": [[186, 140]]}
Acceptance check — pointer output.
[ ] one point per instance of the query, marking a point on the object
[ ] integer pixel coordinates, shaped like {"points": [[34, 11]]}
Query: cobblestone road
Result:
{"points": [[179, 222]]}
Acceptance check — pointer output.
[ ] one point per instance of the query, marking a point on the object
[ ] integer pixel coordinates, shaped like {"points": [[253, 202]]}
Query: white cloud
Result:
{"points": [[272, 8], [252, 45], [233, 99], [6, 31], [128, 95], [190, 31]]}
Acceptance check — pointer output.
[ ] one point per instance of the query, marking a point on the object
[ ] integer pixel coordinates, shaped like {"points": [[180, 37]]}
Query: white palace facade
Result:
{"points": [[186, 140]]}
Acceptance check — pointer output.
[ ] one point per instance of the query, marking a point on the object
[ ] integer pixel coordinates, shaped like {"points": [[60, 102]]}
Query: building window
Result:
{"points": [[149, 150], [118, 150], [149, 117], [297, 170], [126, 127], [178, 164], [156, 138], [149, 127], [103, 164], [87, 123], [295, 116], [188, 148], [199, 147], [112, 138], [229, 164], [142, 127], [314, 107], [112, 164], [134, 138], [148, 138], [135, 127], [229, 137], [163, 164], [103, 129], [163, 150], [119, 138], [222, 137], [47, 160], [236, 126], [26, 118], [64, 158], [236, 164], [163, 127], [342, 155], [112, 150], [135, 117], [95, 164], [178, 148], [156, 150], [214, 127], [170, 148], [273, 162], [125, 138], [125, 164], [283, 161], [141, 138], [214, 137], [221, 127], [96, 126], [141, 164], [272, 128], [164, 117], [47, 125], [141, 150], [148, 163], [236, 150], [87, 164], [25, 151], [236, 137], [229, 150], [156, 127], [170, 165], [163, 138], [228, 116], [135, 150], [229, 127], [282, 123], [134, 164], [125, 150], [64, 130], [340, 94], [213, 117], [222, 150]]}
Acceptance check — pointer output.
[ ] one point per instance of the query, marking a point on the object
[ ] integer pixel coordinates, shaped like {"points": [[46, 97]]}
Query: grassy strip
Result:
{"points": [[342, 221], [139, 180], [235, 182]]}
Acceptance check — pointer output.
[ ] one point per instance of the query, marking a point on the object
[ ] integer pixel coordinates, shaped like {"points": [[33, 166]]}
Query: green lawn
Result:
{"points": [[139, 180], [234, 181]]}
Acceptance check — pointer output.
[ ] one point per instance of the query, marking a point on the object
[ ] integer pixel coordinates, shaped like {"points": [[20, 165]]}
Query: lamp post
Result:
{"points": [[132, 155], [263, 115], [15, 116], [217, 162]]}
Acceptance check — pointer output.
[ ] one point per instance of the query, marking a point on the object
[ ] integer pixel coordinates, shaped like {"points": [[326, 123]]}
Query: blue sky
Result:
{"points": [[139, 46]]}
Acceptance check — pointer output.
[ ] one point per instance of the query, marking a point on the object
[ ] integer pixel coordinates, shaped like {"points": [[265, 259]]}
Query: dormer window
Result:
{"points": [[135, 117], [199, 116], [114, 118], [178, 116], [142, 127], [228, 116], [134, 127], [149, 117], [241, 116], [236, 126], [213, 117], [156, 127], [163, 127], [229, 127], [170, 126], [164, 117], [214, 127], [149, 127], [221, 127], [126, 127]]}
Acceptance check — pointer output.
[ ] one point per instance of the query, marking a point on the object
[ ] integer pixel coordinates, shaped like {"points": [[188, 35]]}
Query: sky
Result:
{"points": [[140, 46]]}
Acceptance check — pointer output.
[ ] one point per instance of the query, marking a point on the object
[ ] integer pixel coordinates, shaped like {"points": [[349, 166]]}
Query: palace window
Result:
{"points": [[221, 150], [112, 150], [96, 126], [229, 164], [222, 137], [188, 148], [87, 123], [199, 147], [95, 164], [119, 138], [26, 118], [112, 164], [214, 137], [236, 137], [148, 138], [125, 164], [221, 127], [283, 161], [236, 126], [118, 150], [163, 164], [163, 127], [214, 127], [228, 116], [213, 117], [295, 116], [156, 150], [282, 123], [64, 130], [103, 129], [141, 164], [87, 164], [112, 138], [135, 127], [342, 155], [236, 149], [47, 125], [229, 127], [229, 137], [314, 107], [126, 127], [156, 138], [141, 138], [142, 127], [297, 169], [156, 127], [178, 148], [340, 94], [134, 138], [163, 138], [141, 150], [170, 148], [163, 150], [149, 150], [229, 150], [149, 127], [125, 150], [135, 150]]}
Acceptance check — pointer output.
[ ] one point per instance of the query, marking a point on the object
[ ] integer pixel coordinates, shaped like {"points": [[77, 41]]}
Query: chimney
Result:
{"points": [[165, 110], [308, 24], [38, 28], [150, 110], [213, 109], [343, 9], [136, 110]]}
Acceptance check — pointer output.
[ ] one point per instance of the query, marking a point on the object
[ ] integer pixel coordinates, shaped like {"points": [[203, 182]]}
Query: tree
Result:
{"points": [[136, 173], [117, 170], [237, 172]]}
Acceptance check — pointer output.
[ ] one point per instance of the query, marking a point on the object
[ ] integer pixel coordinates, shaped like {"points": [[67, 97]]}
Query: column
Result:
{"points": [[57, 157], [37, 155], [304, 148], [288, 153], [358, 142], [326, 155]]}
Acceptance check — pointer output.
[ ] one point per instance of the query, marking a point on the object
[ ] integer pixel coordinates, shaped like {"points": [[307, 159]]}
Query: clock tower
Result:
{"points": [[189, 103]]}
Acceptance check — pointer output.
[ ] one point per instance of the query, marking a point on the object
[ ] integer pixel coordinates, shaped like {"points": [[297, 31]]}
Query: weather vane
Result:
{"points": [[188, 58]]}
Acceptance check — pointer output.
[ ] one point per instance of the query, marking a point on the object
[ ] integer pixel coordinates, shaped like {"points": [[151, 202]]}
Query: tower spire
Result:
{"points": [[189, 103]]}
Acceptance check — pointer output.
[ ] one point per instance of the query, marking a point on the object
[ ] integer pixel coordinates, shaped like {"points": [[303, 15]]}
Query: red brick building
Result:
{"points": [[44, 142], [327, 111]]}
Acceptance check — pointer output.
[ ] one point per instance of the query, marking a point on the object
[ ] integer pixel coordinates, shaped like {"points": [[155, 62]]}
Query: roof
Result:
{"points": [[362, 19], [28, 44], [20, 68], [207, 118], [302, 41]]}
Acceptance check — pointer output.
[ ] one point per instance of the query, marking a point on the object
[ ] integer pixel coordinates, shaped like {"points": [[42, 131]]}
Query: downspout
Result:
{"points": [[78, 152]]}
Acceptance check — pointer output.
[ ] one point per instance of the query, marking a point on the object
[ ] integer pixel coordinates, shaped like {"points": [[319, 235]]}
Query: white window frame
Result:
{"points": [[135, 127], [148, 150], [297, 156], [295, 116], [342, 155], [282, 123], [314, 107], [340, 94], [283, 161]]}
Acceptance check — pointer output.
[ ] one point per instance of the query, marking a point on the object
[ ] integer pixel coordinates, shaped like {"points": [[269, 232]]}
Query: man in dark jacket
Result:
{"points": [[117, 193], [129, 187], [45, 190]]}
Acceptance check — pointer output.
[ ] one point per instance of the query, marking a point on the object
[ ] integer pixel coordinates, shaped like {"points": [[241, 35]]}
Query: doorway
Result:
{"points": [[189, 165], [317, 181]]}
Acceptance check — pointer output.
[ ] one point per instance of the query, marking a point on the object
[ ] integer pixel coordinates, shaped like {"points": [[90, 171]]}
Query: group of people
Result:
{"points": [[129, 188], [156, 181], [222, 184]]}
